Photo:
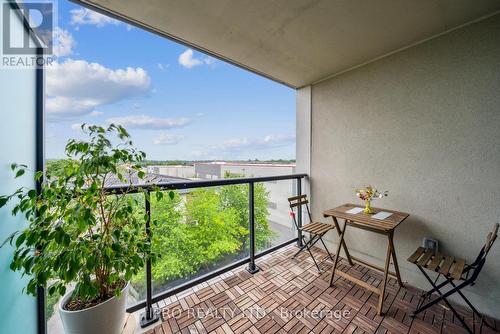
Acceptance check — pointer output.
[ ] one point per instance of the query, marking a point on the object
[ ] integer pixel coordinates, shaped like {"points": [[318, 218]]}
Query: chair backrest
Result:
{"points": [[297, 202], [478, 263], [490, 239]]}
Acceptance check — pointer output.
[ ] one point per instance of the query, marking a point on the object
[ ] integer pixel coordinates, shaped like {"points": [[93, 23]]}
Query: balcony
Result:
{"points": [[263, 289], [261, 233], [401, 94], [289, 296]]}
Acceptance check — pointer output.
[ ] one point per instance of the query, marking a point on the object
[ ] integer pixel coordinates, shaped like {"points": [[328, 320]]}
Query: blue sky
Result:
{"points": [[177, 103]]}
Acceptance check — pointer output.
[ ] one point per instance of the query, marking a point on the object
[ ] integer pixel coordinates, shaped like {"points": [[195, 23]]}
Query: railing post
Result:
{"points": [[299, 213], [40, 167], [150, 315], [252, 268]]}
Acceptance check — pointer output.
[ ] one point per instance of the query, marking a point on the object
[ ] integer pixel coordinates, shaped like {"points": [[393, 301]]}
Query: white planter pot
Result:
{"points": [[105, 318]]}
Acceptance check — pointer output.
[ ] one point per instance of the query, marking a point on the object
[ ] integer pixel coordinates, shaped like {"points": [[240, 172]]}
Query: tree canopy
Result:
{"points": [[195, 232]]}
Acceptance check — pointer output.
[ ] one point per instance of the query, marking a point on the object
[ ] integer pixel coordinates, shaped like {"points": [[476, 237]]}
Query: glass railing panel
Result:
{"points": [[54, 324], [274, 224], [196, 232], [137, 290]]}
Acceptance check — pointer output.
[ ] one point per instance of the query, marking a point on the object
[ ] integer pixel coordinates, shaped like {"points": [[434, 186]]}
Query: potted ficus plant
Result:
{"points": [[80, 236]]}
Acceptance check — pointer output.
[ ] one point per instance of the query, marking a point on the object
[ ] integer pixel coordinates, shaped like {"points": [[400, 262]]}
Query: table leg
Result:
{"points": [[337, 253], [346, 251], [395, 259], [384, 279]]}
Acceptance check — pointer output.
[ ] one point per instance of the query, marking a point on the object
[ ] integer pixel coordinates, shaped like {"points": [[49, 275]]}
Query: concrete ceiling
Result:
{"points": [[297, 42]]}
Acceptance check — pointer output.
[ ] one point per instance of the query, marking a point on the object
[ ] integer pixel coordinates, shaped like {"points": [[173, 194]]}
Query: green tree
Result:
{"points": [[236, 197], [56, 168], [197, 230], [191, 232], [216, 230], [171, 240]]}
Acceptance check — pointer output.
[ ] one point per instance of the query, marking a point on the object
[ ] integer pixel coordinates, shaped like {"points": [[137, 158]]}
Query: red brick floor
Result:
{"points": [[289, 296]]}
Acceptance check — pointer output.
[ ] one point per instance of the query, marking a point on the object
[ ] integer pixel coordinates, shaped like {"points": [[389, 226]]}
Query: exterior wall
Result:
{"points": [[176, 171], [207, 171], [17, 133], [279, 191], [424, 124]]}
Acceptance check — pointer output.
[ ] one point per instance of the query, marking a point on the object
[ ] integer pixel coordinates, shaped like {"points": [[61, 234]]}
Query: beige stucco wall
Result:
{"points": [[425, 125]]}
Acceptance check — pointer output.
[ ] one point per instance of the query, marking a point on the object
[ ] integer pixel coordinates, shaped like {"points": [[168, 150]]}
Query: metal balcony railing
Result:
{"points": [[151, 315]]}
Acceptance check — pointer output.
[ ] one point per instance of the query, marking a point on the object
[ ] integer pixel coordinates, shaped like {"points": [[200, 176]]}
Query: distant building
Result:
{"points": [[182, 171], [216, 169]]}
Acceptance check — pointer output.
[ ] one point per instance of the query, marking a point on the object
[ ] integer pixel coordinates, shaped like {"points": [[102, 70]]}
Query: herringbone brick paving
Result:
{"points": [[289, 296]]}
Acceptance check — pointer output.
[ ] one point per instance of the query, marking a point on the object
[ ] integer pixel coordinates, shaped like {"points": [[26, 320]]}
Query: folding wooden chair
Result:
{"points": [[316, 230], [455, 272]]}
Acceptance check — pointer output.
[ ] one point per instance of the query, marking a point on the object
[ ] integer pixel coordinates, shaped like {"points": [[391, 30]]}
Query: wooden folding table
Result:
{"points": [[367, 222]]}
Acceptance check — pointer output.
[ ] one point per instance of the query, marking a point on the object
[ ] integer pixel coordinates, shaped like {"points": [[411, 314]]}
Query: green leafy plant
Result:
{"points": [[77, 232]]}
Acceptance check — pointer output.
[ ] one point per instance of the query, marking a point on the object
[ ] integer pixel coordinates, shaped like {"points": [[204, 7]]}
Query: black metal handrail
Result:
{"points": [[150, 315], [176, 185]]}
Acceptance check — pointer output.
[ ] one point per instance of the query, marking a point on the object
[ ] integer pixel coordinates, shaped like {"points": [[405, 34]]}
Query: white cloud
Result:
{"points": [[76, 87], [96, 113], [278, 140], [209, 61], [188, 60], [149, 122], [60, 107], [269, 141], [241, 145], [84, 16], [167, 139], [63, 42]]}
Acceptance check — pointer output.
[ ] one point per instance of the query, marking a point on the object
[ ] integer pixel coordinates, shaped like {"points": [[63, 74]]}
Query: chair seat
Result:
{"points": [[317, 228], [446, 265]]}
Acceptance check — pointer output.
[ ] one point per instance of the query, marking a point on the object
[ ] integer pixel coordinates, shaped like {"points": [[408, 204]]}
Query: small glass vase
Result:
{"points": [[368, 209]]}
